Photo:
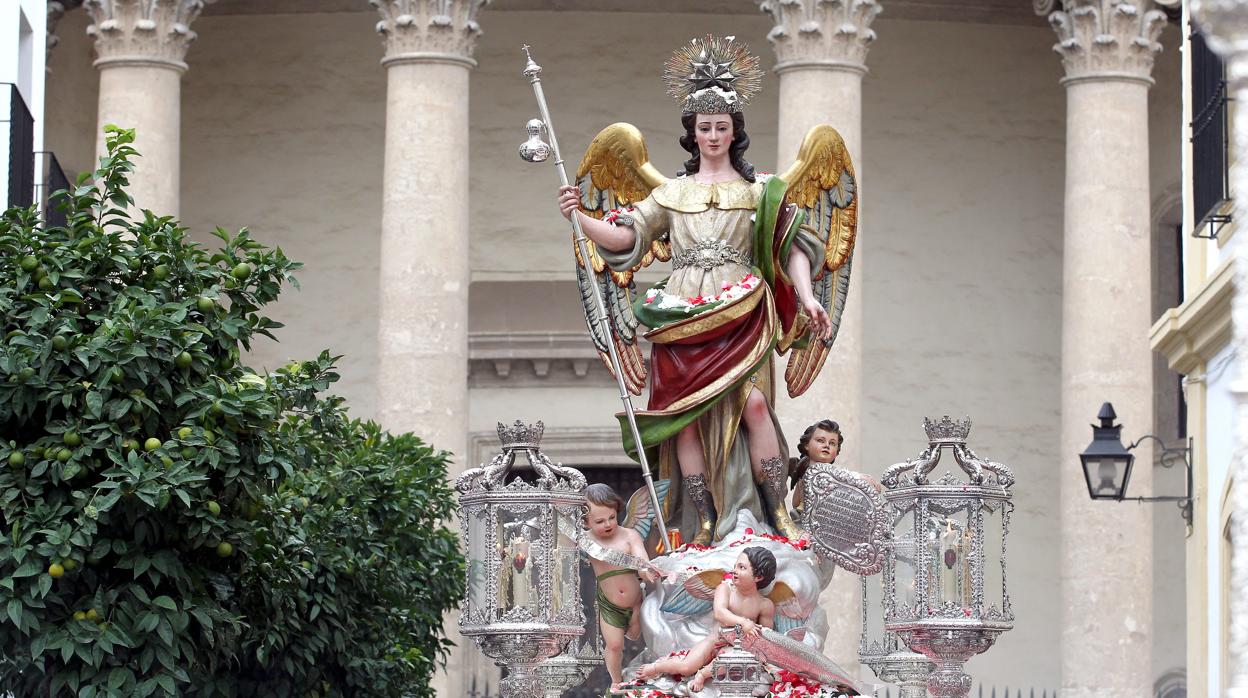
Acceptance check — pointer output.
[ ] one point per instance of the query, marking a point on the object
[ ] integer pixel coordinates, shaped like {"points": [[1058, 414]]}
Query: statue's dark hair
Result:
{"points": [[604, 496], [763, 563], [736, 151], [797, 467], [824, 424]]}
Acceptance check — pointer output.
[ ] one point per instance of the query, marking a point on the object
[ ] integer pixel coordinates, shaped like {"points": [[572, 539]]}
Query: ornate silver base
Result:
{"points": [[909, 671], [521, 652], [565, 672], [949, 648]]}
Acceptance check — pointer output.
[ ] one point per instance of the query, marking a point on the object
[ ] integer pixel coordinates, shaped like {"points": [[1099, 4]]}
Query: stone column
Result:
{"points": [[1225, 25], [422, 375], [821, 50], [423, 335], [1107, 49], [141, 46]]}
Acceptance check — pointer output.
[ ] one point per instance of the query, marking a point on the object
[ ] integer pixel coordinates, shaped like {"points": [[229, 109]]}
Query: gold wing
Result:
{"points": [[822, 184], [614, 173], [786, 601]]}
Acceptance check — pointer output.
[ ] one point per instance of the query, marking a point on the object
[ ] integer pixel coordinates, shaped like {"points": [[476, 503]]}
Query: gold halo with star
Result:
{"points": [[713, 74]]}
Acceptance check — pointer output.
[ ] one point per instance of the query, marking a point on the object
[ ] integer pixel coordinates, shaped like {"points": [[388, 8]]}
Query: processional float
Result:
{"points": [[525, 538]]}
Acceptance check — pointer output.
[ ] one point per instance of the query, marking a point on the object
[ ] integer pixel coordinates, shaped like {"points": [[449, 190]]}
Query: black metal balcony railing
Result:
{"points": [[21, 150], [1210, 177], [54, 180]]}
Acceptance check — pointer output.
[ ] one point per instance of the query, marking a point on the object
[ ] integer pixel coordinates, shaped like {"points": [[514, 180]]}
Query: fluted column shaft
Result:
{"points": [[422, 370], [821, 48], [1225, 25], [1107, 49], [423, 332], [141, 47]]}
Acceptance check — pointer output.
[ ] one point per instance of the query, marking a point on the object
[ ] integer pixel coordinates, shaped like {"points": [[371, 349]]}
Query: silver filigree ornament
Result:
{"points": [[946, 594], [847, 519], [523, 602]]}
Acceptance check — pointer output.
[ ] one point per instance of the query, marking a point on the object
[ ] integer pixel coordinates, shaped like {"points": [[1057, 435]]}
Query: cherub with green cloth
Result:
{"points": [[619, 588]]}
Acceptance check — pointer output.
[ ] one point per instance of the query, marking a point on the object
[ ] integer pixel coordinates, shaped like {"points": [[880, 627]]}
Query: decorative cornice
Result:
{"points": [[534, 359], [143, 32], [1196, 331], [429, 31], [833, 34], [1105, 39]]}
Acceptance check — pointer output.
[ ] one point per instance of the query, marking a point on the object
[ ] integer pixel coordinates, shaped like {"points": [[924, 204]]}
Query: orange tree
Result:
{"points": [[172, 522]]}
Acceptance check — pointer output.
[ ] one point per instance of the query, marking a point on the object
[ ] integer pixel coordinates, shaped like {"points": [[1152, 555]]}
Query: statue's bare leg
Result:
{"points": [[698, 656], [613, 651], [770, 470], [693, 471]]}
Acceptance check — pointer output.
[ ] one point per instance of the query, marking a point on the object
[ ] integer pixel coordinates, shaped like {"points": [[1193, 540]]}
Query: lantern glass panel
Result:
{"points": [[994, 544], [479, 557], [519, 536], [567, 564], [873, 615], [905, 578], [949, 543]]}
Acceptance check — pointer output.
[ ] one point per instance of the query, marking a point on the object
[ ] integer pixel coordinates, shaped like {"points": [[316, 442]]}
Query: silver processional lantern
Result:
{"points": [[945, 578], [523, 602]]}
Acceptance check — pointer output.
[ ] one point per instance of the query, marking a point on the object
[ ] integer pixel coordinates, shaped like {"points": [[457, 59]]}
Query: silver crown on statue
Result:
{"points": [[521, 435], [947, 431]]}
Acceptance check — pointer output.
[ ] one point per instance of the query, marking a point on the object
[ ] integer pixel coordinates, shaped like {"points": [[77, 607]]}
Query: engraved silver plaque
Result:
{"points": [[846, 518]]}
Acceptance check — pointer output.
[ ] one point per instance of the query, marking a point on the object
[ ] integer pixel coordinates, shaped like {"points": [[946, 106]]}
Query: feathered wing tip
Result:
{"points": [[615, 172], [822, 183], [713, 62]]}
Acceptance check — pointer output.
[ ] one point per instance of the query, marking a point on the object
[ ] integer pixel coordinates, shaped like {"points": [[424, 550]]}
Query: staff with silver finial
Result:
{"points": [[534, 150]]}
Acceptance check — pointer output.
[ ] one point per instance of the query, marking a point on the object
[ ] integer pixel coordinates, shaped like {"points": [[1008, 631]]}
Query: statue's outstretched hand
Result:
{"points": [[820, 323], [569, 200]]}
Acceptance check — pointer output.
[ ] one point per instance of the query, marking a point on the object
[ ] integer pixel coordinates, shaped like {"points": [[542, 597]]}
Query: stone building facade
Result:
{"points": [[1017, 239]]}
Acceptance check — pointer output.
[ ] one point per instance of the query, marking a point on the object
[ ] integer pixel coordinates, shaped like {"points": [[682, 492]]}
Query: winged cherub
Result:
{"points": [[759, 265]]}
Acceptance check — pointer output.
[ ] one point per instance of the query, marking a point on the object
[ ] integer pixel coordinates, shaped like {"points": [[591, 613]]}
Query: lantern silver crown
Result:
{"points": [[520, 435], [947, 430]]}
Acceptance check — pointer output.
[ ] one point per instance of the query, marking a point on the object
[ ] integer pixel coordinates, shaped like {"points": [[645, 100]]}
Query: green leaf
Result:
{"points": [[165, 602], [29, 568]]}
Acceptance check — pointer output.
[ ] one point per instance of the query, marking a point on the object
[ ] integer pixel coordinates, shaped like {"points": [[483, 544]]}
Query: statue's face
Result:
{"points": [[713, 133], [743, 573], [824, 446], [601, 520]]}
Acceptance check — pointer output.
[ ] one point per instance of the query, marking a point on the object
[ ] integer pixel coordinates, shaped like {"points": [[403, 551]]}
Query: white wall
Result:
{"points": [[23, 28], [1220, 428]]}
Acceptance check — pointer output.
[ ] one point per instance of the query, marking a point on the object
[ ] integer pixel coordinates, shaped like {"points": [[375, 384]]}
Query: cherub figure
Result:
{"points": [[619, 588], [820, 443], [738, 603]]}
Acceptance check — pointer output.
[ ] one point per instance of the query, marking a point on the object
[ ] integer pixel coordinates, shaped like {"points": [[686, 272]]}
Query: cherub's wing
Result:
{"points": [[695, 595], [614, 173], [789, 613], [822, 184], [639, 514]]}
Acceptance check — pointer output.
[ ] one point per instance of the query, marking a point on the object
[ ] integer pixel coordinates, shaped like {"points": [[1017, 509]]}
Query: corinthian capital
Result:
{"points": [[429, 30], [153, 32], [1105, 39], [832, 33]]}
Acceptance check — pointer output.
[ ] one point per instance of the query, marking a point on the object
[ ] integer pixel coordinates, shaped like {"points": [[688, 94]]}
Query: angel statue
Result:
{"points": [[759, 265]]}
